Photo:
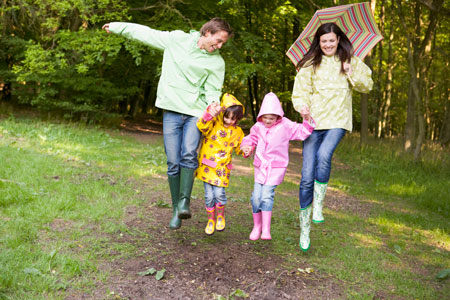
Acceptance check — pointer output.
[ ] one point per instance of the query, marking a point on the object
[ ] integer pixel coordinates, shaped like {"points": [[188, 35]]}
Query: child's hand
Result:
{"points": [[247, 150], [305, 113], [214, 109]]}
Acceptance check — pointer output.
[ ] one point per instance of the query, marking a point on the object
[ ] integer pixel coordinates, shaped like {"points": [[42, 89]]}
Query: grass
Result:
{"points": [[64, 189]]}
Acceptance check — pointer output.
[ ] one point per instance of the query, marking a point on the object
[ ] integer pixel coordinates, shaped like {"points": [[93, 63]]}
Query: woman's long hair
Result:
{"points": [[314, 55]]}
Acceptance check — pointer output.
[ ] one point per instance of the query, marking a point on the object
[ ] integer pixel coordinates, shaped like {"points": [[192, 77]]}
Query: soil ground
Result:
{"points": [[202, 267]]}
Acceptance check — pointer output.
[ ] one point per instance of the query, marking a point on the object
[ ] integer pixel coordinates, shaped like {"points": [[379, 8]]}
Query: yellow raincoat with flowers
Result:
{"points": [[218, 144]]}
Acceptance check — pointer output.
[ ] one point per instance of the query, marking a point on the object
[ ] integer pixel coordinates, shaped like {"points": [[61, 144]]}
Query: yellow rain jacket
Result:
{"points": [[218, 144]]}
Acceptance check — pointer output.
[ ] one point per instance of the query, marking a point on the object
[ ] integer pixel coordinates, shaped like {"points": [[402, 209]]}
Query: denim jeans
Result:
{"points": [[181, 140], [262, 197], [214, 195], [318, 150]]}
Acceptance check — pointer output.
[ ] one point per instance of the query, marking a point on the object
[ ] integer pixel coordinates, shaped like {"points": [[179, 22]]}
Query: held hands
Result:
{"points": [[106, 27], [305, 113], [247, 150], [214, 109]]}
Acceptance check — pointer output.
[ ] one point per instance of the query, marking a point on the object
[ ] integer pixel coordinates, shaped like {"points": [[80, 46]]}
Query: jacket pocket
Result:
{"points": [[209, 163]]}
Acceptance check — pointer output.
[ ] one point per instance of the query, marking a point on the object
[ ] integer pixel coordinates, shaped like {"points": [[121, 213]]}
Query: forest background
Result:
{"points": [[56, 59]]}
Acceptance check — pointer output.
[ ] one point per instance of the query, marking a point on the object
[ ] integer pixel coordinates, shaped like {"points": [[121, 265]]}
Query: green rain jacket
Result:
{"points": [[191, 78]]}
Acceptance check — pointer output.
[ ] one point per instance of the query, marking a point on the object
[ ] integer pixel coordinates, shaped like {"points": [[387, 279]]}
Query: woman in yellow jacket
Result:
{"points": [[221, 135], [327, 76]]}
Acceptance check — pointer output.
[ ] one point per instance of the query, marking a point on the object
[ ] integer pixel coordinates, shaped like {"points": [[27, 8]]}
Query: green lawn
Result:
{"points": [[64, 187]]}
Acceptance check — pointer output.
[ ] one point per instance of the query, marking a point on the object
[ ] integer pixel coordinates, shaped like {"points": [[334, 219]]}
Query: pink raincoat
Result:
{"points": [[272, 144]]}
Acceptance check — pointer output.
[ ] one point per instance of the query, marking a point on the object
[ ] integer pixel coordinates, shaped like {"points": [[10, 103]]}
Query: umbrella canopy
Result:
{"points": [[355, 20]]}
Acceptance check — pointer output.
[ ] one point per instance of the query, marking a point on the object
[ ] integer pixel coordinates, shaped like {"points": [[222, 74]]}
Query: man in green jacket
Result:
{"points": [[192, 76]]}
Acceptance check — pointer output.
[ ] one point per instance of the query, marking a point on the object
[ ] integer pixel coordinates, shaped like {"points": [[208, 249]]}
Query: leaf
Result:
{"points": [[32, 271], [444, 274], [161, 203], [53, 253], [160, 274], [240, 293], [150, 271], [306, 271]]}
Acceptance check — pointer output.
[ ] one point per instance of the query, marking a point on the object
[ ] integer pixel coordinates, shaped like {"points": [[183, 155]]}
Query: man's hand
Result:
{"points": [[106, 27]]}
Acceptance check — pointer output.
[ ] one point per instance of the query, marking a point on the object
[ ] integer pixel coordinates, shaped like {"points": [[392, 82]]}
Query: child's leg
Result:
{"points": [[255, 201], [210, 208], [268, 192], [220, 201]]}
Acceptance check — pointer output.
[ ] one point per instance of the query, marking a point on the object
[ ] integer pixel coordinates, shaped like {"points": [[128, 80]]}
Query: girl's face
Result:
{"points": [[229, 120], [269, 119], [329, 43]]}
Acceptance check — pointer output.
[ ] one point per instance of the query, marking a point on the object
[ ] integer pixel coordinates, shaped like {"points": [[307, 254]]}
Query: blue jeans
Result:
{"points": [[318, 150], [262, 197], [214, 195], [181, 140]]}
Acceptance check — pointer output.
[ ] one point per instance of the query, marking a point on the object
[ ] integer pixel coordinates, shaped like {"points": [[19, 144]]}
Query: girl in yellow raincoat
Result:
{"points": [[221, 135]]}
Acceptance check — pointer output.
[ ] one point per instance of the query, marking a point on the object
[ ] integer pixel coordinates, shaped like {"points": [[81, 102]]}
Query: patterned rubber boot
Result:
{"points": [[174, 185], [266, 219], [220, 224], [320, 190], [305, 227], [211, 225], [257, 227]]}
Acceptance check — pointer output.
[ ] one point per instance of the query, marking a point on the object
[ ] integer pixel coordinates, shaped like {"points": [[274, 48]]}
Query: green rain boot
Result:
{"points": [[305, 226], [174, 184], [186, 183], [320, 190]]}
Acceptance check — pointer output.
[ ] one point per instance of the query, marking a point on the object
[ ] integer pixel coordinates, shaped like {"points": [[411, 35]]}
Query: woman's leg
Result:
{"points": [[331, 139], [325, 152], [310, 148]]}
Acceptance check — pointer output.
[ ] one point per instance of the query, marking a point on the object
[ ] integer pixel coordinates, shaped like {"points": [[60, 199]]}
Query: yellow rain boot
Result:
{"points": [[211, 225]]}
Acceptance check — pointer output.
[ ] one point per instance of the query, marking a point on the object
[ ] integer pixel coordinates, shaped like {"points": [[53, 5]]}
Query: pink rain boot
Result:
{"points": [[256, 232], [266, 217]]}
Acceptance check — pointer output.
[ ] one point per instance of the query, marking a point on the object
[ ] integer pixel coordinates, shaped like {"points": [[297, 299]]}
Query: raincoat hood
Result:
{"points": [[230, 100], [270, 105], [227, 101]]}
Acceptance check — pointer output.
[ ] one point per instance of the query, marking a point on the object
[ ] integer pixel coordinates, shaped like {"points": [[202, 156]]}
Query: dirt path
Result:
{"points": [[202, 267]]}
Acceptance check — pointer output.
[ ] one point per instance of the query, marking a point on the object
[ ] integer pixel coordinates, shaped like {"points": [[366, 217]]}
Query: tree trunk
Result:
{"points": [[387, 94], [378, 94], [444, 136]]}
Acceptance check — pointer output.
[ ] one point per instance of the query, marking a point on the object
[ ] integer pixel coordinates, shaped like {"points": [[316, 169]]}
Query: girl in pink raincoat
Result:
{"points": [[270, 136]]}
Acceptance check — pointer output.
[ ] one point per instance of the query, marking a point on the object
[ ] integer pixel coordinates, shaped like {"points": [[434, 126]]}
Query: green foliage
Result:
{"points": [[54, 56]]}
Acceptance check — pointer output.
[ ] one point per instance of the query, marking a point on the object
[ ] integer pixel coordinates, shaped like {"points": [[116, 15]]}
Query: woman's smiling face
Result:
{"points": [[329, 43]]}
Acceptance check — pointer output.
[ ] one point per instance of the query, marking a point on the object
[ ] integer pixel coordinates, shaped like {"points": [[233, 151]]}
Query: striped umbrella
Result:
{"points": [[355, 20]]}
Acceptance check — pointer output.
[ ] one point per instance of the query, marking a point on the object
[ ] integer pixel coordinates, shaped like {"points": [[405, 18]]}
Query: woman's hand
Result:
{"points": [[106, 27], [348, 69]]}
